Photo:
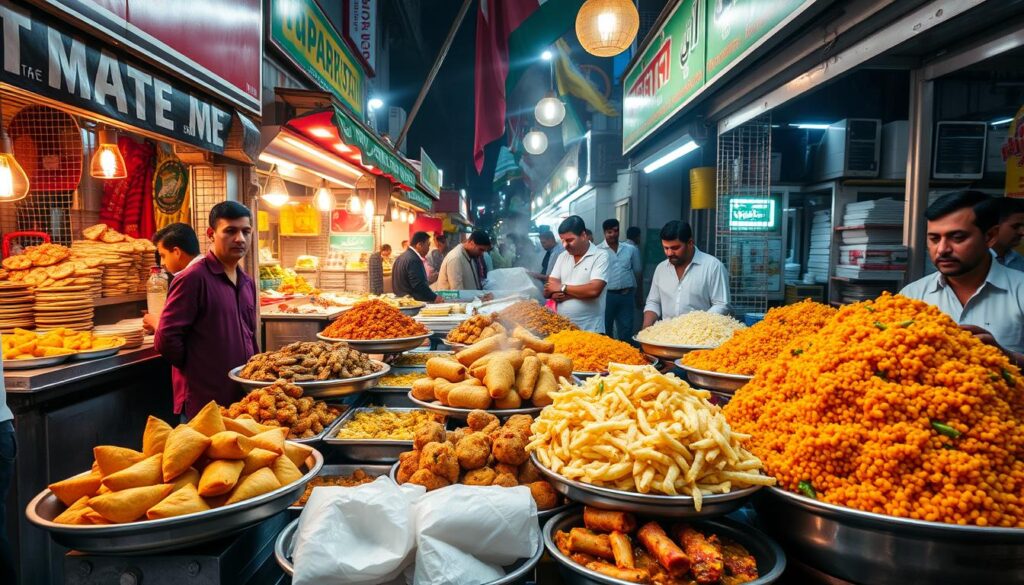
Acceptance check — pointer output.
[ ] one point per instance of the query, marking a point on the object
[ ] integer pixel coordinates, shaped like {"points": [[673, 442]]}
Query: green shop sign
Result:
{"points": [[372, 151], [736, 27], [753, 214], [299, 29], [418, 198], [429, 175], [667, 74], [351, 242]]}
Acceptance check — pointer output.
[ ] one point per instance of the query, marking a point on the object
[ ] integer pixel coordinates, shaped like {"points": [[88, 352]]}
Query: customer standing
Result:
{"points": [[178, 247], [552, 250], [375, 268], [208, 324], [458, 271], [579, 277], [436, 256], [8, 450], [409, 274], [623, 275], [688, 280]]}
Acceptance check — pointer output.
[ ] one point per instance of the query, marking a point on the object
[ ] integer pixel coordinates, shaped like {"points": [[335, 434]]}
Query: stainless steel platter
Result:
{"points": [[864, 547], [462, 413], [329, 428], [95, 354], [650, 360], [514, 573], [397, 345], [668, 351], [149, 536], [390, 397], [771, 561], [367, 450], [28, 364], [346, 469], [324, 388], [718, 381], [650, 504]]}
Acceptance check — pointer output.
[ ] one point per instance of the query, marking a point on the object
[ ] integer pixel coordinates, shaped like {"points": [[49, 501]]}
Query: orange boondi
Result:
{"points": [[891, 408], [592, 352], [751, 347], [373, 320]]}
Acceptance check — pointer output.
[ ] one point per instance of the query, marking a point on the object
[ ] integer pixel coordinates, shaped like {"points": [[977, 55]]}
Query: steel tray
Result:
{"points": [[43, 362], [329, 428], [668, 351], [397, 345], [462, 413], [346, 469], [149, 536], [368, 450], [95, 354], [718, 381], [321, 389], [651, 504], [389, 397], [771, 561]]}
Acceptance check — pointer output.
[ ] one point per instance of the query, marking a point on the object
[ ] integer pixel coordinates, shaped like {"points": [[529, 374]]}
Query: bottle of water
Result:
{"points": [[156, 291]]}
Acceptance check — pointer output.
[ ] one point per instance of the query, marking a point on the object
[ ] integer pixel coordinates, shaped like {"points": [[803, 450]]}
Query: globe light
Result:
{"points": [[550, 111], [606, 28], [535, 142]]}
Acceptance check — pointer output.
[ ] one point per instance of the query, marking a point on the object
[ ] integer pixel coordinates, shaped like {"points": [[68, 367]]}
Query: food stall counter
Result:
{"points": [[284, 326], [40, 379]]}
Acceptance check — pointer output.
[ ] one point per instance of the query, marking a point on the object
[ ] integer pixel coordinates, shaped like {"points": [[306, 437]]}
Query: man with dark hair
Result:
{"points": [[688, 280], [208, 324], [623, 275], [983, 296], [436, 256], [1009, 231], [578, 280], [552, 250], [458, 271], [375, 268], [178, 248], [633, 235], [409, 273]]}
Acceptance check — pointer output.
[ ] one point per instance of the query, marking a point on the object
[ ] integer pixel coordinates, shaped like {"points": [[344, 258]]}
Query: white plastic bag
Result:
{"points": [[512, 281]]}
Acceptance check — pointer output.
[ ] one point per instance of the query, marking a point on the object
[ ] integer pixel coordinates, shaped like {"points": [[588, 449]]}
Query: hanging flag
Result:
{"points": [[506, 169], [571, 81], [510, 35]]}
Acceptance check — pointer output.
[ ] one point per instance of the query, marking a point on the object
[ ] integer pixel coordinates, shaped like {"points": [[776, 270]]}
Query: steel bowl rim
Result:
{"points": [[637, 339], [461, 413], [312, 384], [713, 374], [96, 353], [356, 342]]}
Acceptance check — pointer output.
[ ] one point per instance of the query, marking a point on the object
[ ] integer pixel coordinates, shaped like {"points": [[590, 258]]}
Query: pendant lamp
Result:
{"points": [[606, 28], [107, 162]]}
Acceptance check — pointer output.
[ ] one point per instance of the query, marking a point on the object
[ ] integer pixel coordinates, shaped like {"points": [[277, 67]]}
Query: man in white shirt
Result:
{"points": [[624, 270], [980, 294], [688, 280], [1009, 231], [578, 280]]}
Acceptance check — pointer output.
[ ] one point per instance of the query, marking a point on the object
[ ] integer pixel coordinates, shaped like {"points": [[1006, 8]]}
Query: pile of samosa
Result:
{"points": [[210, 462]]}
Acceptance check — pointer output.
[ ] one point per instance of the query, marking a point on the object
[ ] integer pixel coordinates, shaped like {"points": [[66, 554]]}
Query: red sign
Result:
{"points": [[656, 74], [215, 44]]}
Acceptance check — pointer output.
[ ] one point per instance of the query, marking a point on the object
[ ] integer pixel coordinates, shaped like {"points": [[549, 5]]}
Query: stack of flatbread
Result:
{"points": [[126, 260], [64, 306], [133, 335], [15, 306]]}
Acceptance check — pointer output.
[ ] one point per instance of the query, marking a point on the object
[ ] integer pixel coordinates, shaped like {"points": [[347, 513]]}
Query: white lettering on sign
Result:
{"points": [[13, 22], [70, 66], [204, 121], [161, 89], [109, 83], [140, 80]]}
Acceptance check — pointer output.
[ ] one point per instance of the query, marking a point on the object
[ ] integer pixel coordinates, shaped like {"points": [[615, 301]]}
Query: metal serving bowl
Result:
{"points": [[367, 450], [397, 345], [463, 413], [771, 561], [30, 363], [413, 310], [149, 536], [864, 547], [321, 388], [650, 360], [718, 381], [650, 504], [668, 351], [95, 354], [515, 573], [346, 469]]}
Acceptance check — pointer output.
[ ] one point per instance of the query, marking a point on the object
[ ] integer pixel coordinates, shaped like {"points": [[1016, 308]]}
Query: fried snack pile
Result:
{"points": [[358, 477], [751, 347], [476, 328], [484, 453], [534, 317], [309, 361], [381, 423], [611, 544], [499, 372], [208, 463], [699, 328], [374, 320], [592, 352], [24, 344], [282, 405], [642, 431], [892, 409]]}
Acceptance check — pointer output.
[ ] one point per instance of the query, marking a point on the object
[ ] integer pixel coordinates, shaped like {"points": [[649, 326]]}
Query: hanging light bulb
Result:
{"points": [[275, 192], [13, 180], [107, 162], [368, 210], [535, 142], [324, 198], [354, 204], [550, 111], [606, 28]]}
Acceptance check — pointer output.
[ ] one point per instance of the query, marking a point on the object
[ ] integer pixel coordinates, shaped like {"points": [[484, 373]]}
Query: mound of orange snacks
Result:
{"points": [[374, 320]]}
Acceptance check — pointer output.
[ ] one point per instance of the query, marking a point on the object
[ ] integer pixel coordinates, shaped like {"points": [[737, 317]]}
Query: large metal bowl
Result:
{"points": [[30, 363], [771, 561], [514, 573], [668, 351], [651, 360], [321, 388], [650, 504], [397, 345], [149, 536], [463, 413], [413, 310], [864, 547], [717, 381], [345, 469]]}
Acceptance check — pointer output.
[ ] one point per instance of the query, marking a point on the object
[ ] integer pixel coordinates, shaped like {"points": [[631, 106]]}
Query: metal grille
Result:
{"points": [[209, 187], [744, 170]]}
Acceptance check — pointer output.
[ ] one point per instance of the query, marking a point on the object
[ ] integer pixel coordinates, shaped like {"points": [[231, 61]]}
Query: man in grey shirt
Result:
{"points": [[436, 256], [552, 250]]}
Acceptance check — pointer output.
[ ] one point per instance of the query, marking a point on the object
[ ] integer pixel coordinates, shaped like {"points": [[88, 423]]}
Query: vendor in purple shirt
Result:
{"points": [[208, 324]]}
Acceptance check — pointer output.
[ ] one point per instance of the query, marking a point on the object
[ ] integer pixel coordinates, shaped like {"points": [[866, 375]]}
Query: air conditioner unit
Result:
{"points": [[960, 150], [849, 148], [895, 138]]}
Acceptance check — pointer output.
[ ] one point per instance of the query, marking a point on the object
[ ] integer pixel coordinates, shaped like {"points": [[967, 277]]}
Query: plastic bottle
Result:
{"points": [[156, 291]]}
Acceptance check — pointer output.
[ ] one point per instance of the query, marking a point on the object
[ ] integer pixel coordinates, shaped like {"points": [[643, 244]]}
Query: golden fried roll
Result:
{"points": [[561, 366], [631, 575], [244, 426], [480, 419], [546, 384], [229, 445], [272, 440], [532, 341], [76, 512], [514, 357], [451, 370], [510, 400], [441, 389], [499, 377], [190, 477], [181, 502], [72, 489], [423, 389], [706, 562], [208, 420], [428, 432], [103, 490], [622, 549], [154, 436], [297, 452], [543, 494], [111, 458], [505, 480], [255, 484], [479, 349], [184, 447], [473, 451], [146, 472], [466, 396], [285, 471], [585, 541], [608, 520], [130, 504], [664, 549], [220, 477], [526, 377]]}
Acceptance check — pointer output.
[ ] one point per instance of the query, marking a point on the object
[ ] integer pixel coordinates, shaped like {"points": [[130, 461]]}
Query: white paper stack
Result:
{"points": [[821, 237], [877, 212], [874, 256]]}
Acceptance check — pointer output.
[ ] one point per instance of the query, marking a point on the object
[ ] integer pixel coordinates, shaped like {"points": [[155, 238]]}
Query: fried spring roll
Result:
{"points": [[499, 377], [608, 521], [740, 563], [705, 554], [584, 541], [661, 547], [450, 370], [479, 349], [622, 549], [631, 575]]}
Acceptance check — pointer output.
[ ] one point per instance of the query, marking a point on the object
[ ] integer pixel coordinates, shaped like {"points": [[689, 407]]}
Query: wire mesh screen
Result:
{"points": [[209, 187], [744, 173]]}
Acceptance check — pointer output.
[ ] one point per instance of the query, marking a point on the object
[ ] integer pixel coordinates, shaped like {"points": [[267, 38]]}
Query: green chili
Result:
{"points": [[946, 430], [807, 489]]}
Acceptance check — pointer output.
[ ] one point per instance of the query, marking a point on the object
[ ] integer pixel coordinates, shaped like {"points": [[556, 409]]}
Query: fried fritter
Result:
{"points": [[440, 459], [428, 432], [408, 464], [510, 448], [473, 451], [545, 495], [482, 476], [428, 480]]}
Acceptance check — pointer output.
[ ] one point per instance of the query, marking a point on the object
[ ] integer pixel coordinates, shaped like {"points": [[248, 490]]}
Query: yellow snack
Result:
{"points": [[272, 440], [229, 445], [498, 378], [183, 501], [448, 369], [111, 459], [219, 477], [258, 458], [208, 420], [255, 484], [297, 452], [130, 504], [155, 435], [72, 489], [184, 447], [145, 472], [285, 471]]}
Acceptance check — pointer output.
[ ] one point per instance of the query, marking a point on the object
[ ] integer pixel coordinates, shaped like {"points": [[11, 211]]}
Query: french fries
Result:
{"points": [[642, 431]]}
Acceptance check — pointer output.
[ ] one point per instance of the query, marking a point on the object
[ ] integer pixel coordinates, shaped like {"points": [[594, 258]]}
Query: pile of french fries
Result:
{"points": [[638, 430]]}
